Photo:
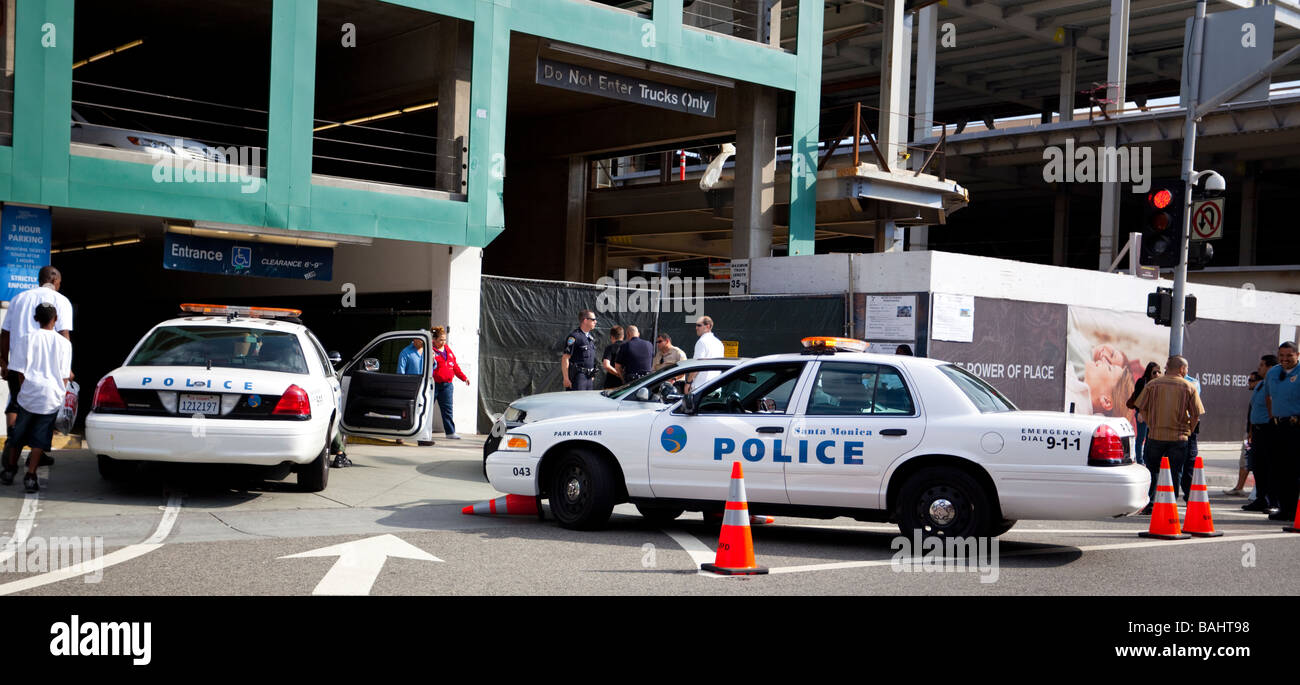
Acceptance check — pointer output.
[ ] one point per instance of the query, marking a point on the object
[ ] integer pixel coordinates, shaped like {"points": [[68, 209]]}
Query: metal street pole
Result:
{"points": [[1189, 153]]}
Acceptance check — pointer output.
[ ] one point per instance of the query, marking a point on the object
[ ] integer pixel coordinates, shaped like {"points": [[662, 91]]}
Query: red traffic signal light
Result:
{"points": [[1160, 198]]}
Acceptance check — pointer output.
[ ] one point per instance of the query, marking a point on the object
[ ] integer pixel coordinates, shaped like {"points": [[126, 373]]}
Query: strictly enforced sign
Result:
{"points": [[626, 88]]}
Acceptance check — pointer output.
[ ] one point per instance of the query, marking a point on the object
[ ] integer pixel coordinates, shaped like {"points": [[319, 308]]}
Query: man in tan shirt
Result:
{"points": [[665, 352], [1172, 408]]}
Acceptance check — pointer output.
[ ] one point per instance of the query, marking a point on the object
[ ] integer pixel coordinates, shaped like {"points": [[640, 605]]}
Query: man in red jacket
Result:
{"points": [[443, 374]]}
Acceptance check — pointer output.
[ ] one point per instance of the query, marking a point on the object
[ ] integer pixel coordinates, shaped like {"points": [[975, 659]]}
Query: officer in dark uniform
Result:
{"points": [[635, 357], [578, 363]]}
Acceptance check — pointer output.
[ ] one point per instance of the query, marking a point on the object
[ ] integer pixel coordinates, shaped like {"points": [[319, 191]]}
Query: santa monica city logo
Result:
{"points": [[673, 439]]}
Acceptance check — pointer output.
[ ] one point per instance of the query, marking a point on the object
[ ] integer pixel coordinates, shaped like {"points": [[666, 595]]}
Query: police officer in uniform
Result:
{"points": [[578, 363], [1282, 388], [635, 357]]}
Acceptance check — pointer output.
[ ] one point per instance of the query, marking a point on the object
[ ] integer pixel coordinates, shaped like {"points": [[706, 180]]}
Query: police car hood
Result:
{"points": [[198, 379], [549, 405], [600, 418]]}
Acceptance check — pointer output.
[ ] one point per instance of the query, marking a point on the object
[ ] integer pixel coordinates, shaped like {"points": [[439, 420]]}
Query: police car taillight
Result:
{"points": [[1107, 448], [250, 312], [107, 396], [293, 402]]}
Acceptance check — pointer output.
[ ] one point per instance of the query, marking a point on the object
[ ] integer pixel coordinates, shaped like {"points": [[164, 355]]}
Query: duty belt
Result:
{"points": [[1286, 420]]}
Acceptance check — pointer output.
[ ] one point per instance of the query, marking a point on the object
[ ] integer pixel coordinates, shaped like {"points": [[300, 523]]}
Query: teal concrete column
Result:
{"points": [[291, 111], [42, 101], [487, 123], [667, 16], [807, 111]]}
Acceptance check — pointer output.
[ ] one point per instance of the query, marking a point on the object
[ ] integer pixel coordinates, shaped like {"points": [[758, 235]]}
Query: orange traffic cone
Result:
{"points": [[1198, 521], [756, 520], [735, 545], [512, 505], [1294, 527], [1164, 513]]}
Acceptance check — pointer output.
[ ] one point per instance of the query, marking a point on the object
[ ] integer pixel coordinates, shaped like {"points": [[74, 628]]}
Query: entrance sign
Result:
{"points": [[627, 88], [228, 257], [24, 247]]}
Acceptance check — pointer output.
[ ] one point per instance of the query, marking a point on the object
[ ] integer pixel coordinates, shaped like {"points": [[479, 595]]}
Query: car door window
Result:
{"points": [[389, 354], [852, 389], [757, 390]]}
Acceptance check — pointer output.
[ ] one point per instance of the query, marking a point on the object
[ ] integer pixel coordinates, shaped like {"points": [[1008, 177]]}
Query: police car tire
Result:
{"points": [[594, 502], [955, 485], [659, 514], [114, 469], [313, 477], [1003, 527]]}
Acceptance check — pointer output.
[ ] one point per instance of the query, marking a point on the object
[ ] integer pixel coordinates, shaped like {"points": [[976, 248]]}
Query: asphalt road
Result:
{"points": [[197, 531]]}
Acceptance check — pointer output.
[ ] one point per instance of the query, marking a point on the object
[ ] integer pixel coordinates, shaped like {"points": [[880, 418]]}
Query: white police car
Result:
{"points": [[251, 385], [635, 395], [828, 433]]}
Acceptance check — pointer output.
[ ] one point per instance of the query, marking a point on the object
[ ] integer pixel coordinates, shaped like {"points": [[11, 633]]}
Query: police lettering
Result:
{"points": [[754, 450]]}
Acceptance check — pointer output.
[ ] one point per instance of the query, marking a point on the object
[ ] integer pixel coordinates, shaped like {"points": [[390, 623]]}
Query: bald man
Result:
{"points": [[635, 357]]}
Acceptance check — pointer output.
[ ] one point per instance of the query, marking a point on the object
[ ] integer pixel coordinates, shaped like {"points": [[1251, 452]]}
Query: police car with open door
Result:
{"points": [[832, 433], [252, 386]]}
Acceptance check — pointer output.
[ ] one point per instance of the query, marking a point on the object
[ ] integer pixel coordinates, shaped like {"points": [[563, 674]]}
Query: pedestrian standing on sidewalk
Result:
{"points": [[612, 377], [1153, 370], [1193, 449], [410, 362], [1173, 409], [1282, 388], [1260, 432], [444, 374], [20, 323], [46, 371], [707, 347]]}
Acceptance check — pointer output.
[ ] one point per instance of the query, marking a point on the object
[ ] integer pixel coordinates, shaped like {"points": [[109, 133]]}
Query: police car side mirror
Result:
{"points": [[370, 364], [668, 392], [335, 358], [688, 403], [643, 394]]}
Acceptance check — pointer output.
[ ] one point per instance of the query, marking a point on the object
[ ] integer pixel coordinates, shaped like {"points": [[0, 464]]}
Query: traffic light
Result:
{"points": [[1199, 253], [1162, 223], [1160, 306]]}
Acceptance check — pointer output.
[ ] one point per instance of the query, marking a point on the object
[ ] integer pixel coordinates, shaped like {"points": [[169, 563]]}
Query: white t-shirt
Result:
{"points": [[20, 320], [49, 361], [707, 347]]}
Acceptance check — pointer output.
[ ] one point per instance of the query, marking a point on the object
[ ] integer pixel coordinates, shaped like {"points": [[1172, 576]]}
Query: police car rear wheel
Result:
{"points": [[944, 502], [582, 491], [314, 476]]}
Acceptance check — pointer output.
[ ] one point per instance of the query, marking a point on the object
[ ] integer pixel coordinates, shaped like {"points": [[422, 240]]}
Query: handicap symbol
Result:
{"points": [[242, 257]]}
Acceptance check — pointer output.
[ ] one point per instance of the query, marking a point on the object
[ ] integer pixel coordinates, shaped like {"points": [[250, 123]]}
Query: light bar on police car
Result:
{"points": [[251, 312], [826, 344]]}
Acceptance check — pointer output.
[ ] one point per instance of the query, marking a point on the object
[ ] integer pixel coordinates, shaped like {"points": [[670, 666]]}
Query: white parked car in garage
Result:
{"points": [[833, 433], [253, 386], [104, 135]]}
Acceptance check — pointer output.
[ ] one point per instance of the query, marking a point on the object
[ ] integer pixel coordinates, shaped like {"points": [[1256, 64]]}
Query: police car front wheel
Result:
{"points": [[582, 490], [944, 502]]}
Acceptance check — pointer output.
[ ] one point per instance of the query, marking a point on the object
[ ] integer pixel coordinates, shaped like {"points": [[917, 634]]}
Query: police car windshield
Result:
{"points": [[221, 346], [622, 390], [985, 397]]}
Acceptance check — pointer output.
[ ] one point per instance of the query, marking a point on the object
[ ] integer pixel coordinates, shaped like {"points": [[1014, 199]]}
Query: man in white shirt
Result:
{"points": [[707, 347], [46, 371], [19, 323]]}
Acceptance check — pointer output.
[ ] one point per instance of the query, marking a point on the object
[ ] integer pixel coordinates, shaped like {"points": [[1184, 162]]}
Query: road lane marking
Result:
{"points": [[699, 552], [170, 512], [26, 518], [360, 562], [1055, 549]]}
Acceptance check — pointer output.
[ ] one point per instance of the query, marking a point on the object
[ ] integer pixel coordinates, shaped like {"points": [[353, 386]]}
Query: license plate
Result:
{"points": [[199, 404]]}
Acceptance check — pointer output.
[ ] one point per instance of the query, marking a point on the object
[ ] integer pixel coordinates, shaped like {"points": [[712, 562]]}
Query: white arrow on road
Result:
{"points": [[360, 562]]}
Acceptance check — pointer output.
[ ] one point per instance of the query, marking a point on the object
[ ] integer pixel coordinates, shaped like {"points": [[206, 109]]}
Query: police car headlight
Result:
{"points": [[515, 442], [513, 415]]}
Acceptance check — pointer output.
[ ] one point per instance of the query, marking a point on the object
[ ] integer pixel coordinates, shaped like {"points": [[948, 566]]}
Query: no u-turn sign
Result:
{"points": [[1207, 219]]}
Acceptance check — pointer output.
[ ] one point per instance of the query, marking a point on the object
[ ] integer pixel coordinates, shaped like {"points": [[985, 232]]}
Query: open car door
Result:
{"points": [[383, 397]]}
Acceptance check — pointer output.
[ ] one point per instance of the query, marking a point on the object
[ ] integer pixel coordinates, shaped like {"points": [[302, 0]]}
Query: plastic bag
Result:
{"points": [[68, 412]]}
